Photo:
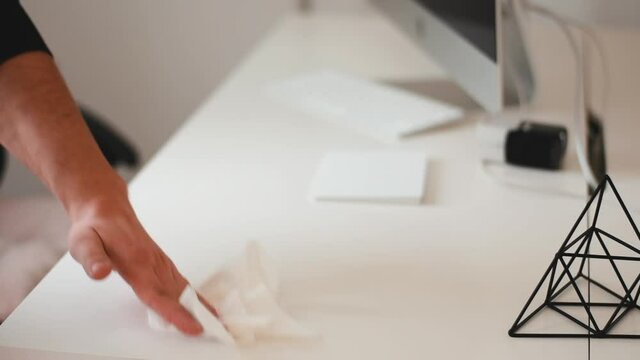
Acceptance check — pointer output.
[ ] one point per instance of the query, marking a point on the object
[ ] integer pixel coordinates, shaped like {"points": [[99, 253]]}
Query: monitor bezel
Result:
{"points": [[482, 78]]}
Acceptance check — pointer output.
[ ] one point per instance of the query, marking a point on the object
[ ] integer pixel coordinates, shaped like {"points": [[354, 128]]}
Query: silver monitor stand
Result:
{"points": [[494, 70]]}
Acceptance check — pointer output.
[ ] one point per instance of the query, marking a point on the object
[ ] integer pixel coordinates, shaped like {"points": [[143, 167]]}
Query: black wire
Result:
{"points": [[589, 289]]}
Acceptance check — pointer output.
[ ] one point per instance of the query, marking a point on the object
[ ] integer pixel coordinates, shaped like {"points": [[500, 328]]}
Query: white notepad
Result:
{"points": [[377, 176]]}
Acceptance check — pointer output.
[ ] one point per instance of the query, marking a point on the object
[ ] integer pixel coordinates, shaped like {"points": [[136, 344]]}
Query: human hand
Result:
{"points": [[106, 235], [41, 125]]}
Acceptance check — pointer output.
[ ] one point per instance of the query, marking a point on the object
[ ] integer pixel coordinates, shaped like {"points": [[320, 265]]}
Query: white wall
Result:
{"points": [[340, 5], [145, 64], [619, 13]]}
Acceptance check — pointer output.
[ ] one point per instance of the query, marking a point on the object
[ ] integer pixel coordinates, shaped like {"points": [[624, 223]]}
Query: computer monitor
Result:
{"points": [[479, 43]]}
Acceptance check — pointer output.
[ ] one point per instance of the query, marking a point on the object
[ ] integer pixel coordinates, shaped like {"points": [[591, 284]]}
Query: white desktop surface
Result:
{"points": [[444, 280]]}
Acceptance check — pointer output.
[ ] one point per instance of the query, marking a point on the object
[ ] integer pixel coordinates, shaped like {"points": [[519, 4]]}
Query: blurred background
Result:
{"points": [[148, 73]]}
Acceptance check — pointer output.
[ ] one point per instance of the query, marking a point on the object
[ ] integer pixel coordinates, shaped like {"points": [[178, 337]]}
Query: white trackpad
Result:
{"points": [[376, 176]]}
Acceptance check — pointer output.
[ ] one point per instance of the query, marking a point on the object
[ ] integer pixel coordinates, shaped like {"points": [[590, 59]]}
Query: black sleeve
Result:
{"points": [[17, 33]]}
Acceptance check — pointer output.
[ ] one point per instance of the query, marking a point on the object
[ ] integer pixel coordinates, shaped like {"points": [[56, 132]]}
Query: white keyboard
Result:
{"points": [[381, 111]]}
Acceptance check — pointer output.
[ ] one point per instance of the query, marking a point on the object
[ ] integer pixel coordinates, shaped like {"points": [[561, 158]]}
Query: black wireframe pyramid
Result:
{"points": [[569, 272]]}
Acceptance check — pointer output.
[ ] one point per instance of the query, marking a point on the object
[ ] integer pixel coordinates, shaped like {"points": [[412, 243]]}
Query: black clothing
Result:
{"points": [[17, 33]]}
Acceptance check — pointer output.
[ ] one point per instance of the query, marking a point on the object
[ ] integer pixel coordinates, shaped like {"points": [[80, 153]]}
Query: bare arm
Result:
{"points": [[41, 125]]}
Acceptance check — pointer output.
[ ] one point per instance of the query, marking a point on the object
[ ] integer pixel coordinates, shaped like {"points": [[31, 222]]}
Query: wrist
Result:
{"points": [[100, 200]]}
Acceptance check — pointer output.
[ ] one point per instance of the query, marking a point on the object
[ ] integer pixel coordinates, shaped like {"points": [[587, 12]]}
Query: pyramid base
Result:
{"points": [[624, 308]]}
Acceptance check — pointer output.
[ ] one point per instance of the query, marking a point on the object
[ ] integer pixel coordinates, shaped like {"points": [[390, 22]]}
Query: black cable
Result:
{"points": [[589, 289]]}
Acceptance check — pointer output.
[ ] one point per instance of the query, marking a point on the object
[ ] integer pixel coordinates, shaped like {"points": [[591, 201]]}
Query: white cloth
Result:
{"points": [[212, 327], [244, 293]]}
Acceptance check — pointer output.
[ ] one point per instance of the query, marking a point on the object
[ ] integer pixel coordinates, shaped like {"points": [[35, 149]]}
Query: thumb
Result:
{"points": [[86, 247]]}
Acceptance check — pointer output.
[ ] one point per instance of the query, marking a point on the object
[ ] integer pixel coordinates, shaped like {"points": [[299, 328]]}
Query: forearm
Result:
{"points": [[42, 126]]}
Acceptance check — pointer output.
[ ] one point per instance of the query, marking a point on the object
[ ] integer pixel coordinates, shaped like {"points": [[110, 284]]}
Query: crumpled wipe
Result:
{"points": [[244, 293], [212, 327]]}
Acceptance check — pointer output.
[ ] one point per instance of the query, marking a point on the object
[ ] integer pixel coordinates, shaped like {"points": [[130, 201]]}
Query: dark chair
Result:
{"points": [[117, 150]]}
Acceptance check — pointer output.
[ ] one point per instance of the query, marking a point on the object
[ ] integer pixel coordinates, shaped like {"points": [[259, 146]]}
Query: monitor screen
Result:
{"points": [[475, 20]]}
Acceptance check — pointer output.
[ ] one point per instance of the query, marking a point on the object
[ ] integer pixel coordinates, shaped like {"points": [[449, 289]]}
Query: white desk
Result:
{"points": [[444, 280]]}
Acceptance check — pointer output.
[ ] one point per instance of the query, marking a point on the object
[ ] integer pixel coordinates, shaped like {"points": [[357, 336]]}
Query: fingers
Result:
{"points": [[86, 247], [208, 306], [139, 261], [174, 313]]}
